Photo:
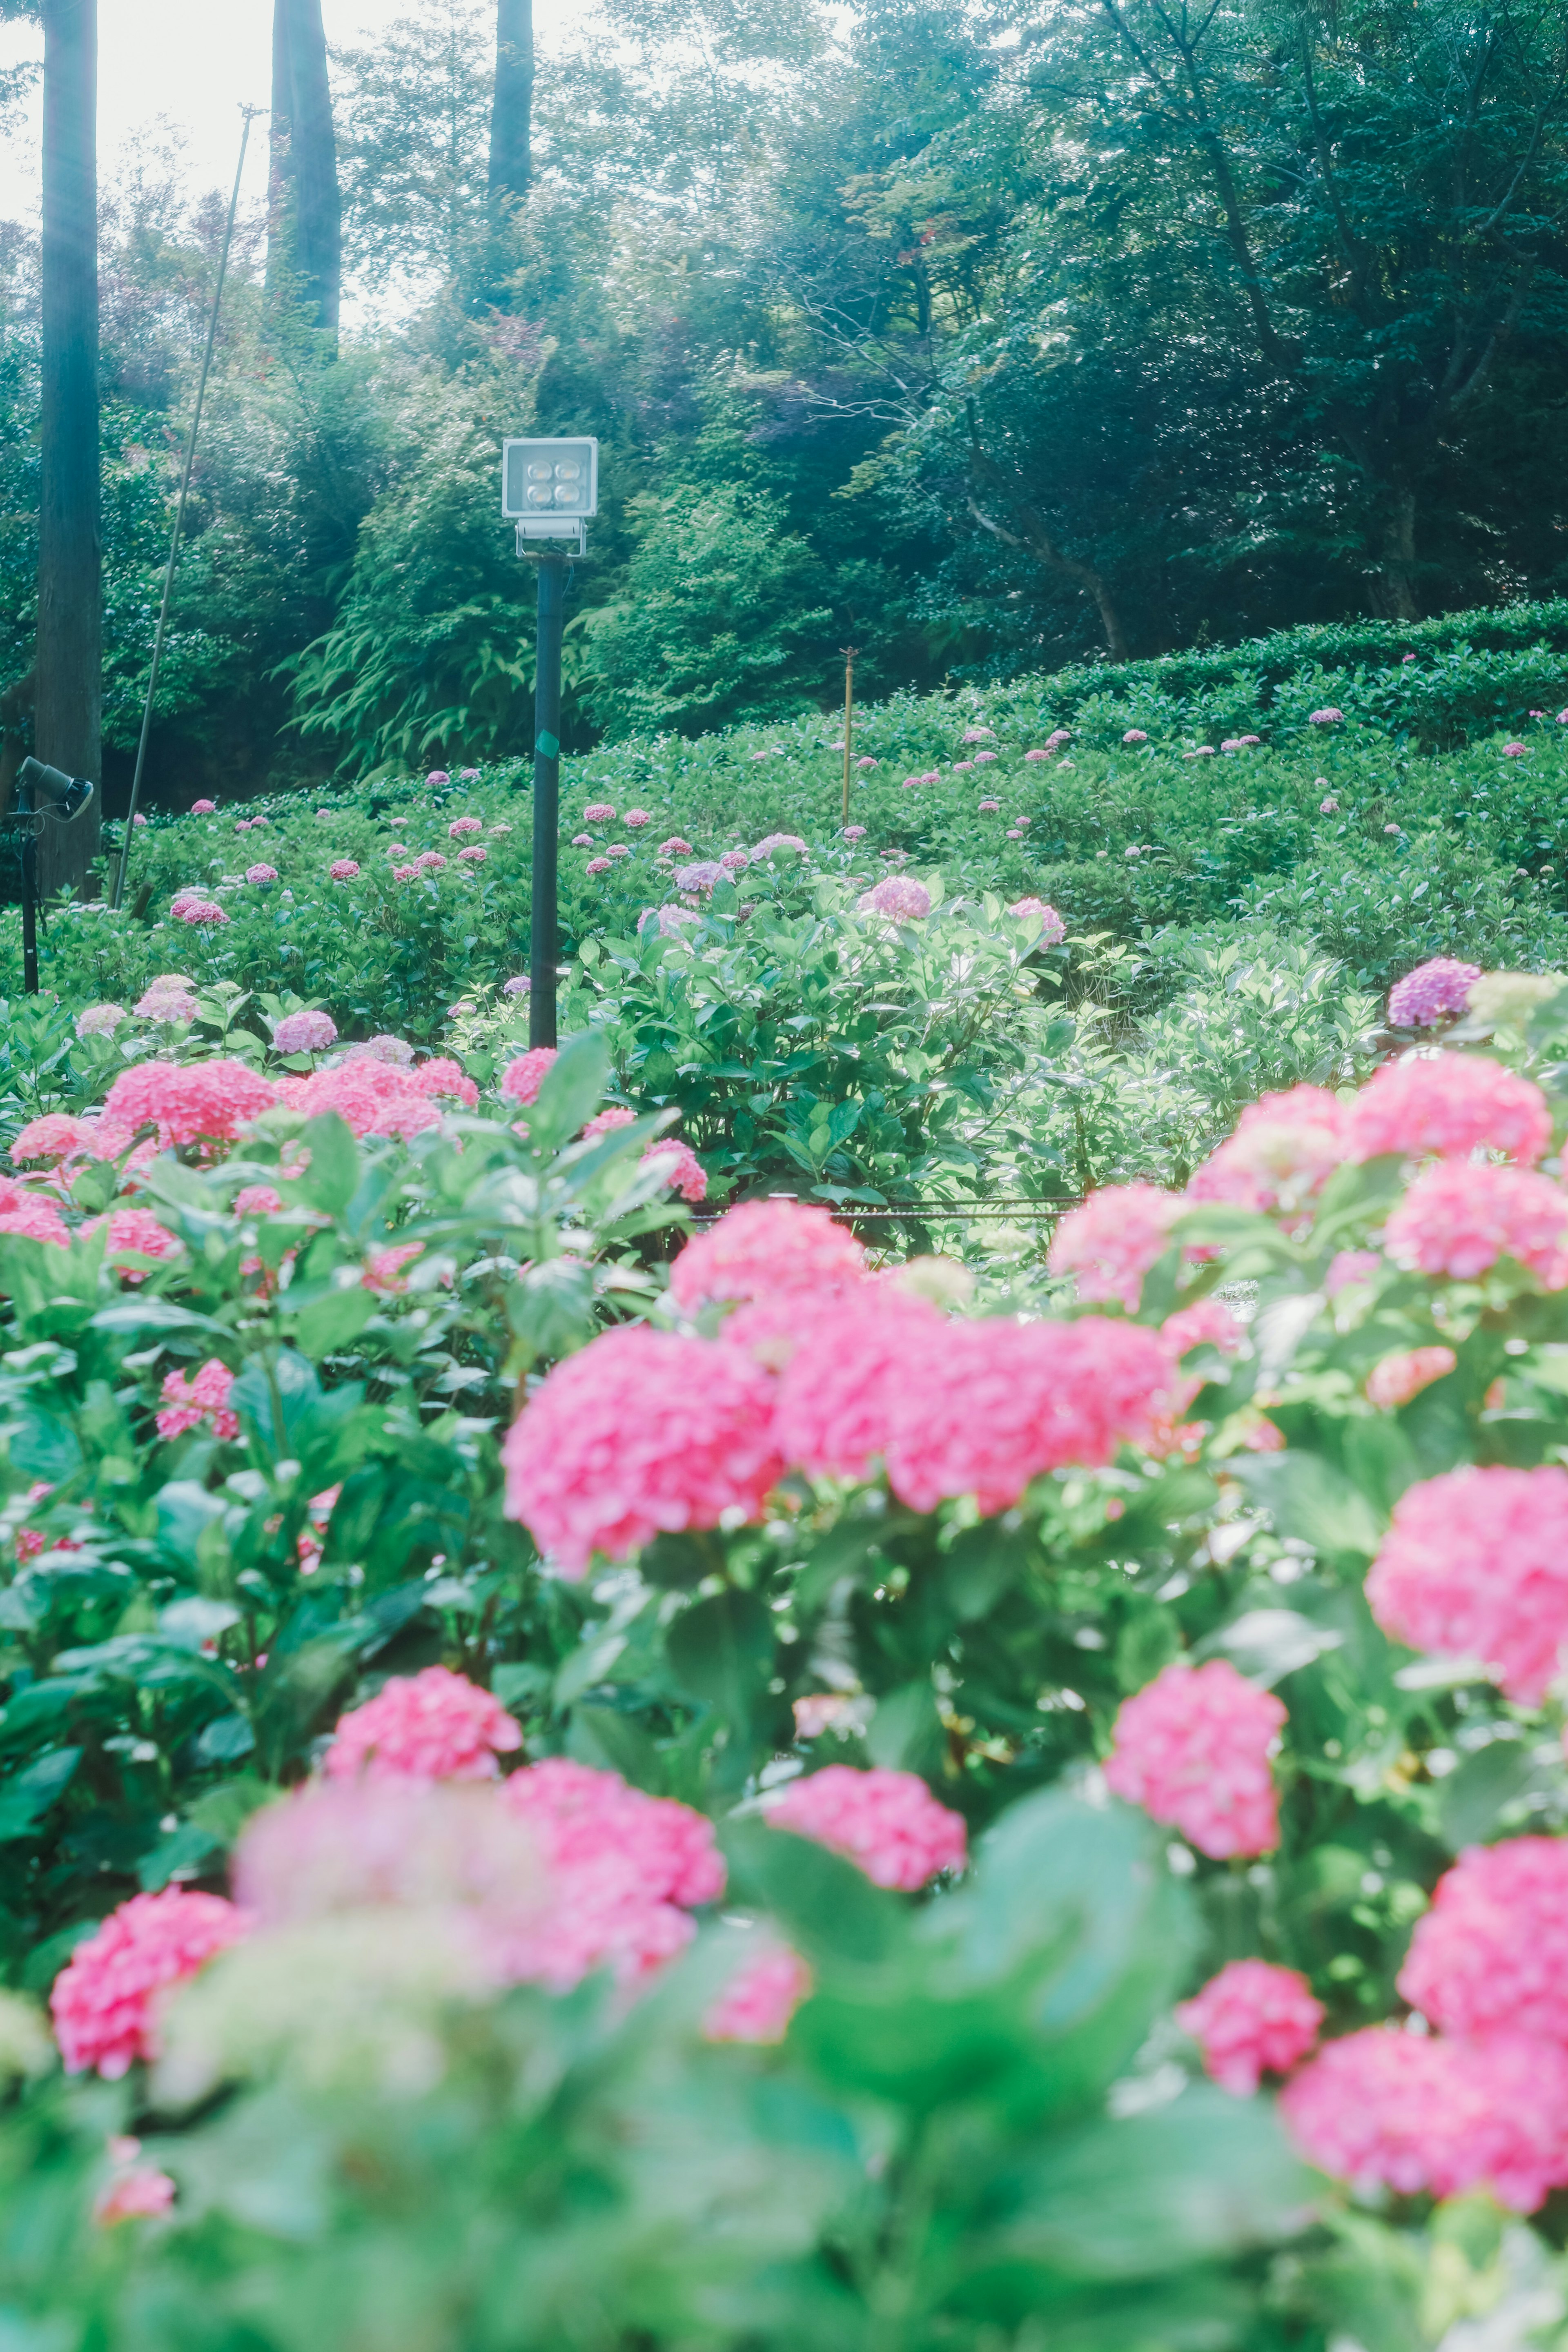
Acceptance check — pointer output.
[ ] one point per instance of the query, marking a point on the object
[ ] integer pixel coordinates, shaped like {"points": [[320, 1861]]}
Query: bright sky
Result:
{"points": [[195, 62]]}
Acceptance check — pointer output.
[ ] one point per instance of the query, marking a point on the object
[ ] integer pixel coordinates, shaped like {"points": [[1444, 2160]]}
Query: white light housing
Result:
{"points": [[548, 478]]}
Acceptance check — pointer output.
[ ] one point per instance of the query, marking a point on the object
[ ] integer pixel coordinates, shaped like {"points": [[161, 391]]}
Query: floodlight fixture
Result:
{"points": [[545, 482]]}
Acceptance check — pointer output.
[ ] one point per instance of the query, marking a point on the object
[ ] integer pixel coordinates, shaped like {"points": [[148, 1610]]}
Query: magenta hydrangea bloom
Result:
{"points": [[598, 866], [1400, 1377], [1252, 2019], [637, 819], [758, 2002], [1285, 1149], [599, 813], [202, 914], [1448, 1104], [136, 1233], [1111, 1242], [675, 847], [1475, 1565], [1459, 1217], [434, 1726], [1207, 1323], [305, 1033], [202, 1396], [678, 1167], [204, 808], [640, 1433], [370, 1096], [899, 899], [836, 1395], [1193, 1749], [1384, 2108], [1347, 1267], [766, 1246], [1434, 989], [342, 869], [104, 2000], [1327, 717], [888, 1823], [190, 1102], [1493, 1949], [772, 841], [261, 874], [34, 1220], [522, 1079], [57, 1135], [445, 1080], [984, 1407], [1052, 928], [462, 824]]}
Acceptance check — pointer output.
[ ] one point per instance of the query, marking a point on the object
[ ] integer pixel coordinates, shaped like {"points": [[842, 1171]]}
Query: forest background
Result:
{"points": [[984, 339]]}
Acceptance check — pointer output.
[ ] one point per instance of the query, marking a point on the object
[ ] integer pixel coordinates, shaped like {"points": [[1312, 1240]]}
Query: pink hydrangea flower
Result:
{"points": [[257, 1201], [57, 1134], [204, 808], [1250, 2020], [1384, 2108], [1349, 1266], [1475, 1565], [840, 1360], [1398, 1378], [104, 2000], [462, 824], [989, 808], [472, 856], [978, 735], [141, 2194], [137, 1233], [434, 1726], [618, 849], [100, 1020], [581, 841], [1036, 755], [1111, 1242], [983, 1408], [30, 1219], [1052, 928], [1450, 1105], [1424, 996], [1516, 750], [384, 1271], [1330, 807], [522, 1079], [762, 1248], [759, 2001], [1135, 735], [772, 841], [518, 985], [899, 899], [430, 861], [1284, 1149], [405, 873], [1193, 1749], [189, 1102], [636, 818], [597, 865], [341, 869], [370, 1096], [854, 832], [261, 874], [599, 813], [982, 758], [310, 1032], [1327, 717], [203, 1396], [888, 1823], [641, 1433], [203, 914], [1460, 1216], [1493, 1949], [604, 1121], [1207, 1323], [443, 1078], [735, 861], [865, 760], [383, 1047], [675, 847], [679, 1169]]}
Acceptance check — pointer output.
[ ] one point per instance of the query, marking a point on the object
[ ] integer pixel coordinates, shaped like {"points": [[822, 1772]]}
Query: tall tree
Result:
{"points": [[68, 698], [304, 250], [512, 116]]}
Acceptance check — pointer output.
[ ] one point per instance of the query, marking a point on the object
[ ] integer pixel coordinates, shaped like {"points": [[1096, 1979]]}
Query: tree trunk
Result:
{"points": [[1398, 582], [511, 113], [304, 248], [69, 694]]}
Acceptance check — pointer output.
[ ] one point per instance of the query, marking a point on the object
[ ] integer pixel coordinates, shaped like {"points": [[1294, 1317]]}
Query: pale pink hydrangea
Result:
{"points": [[1052, 928], [989, 808], [462, 824], [100, 1020], [983, 1408], [1036, 755], [522, 1079], [472, 856], [1109, 1244], [1515, 751], [679, 1168], [257, 1201], [310, 1032], [1207, 1323], [888, 1823], [1328, 717], [140, 2194], [1328, 808], [204, 808], [446, 1080], [1434, 989], [604, 1122], [597, 865], [104, 2000], [518, 985], [1348, 1268], [203, 914], [434, 1726], [137, 1233], [382, 1048], [1283, 1151], [978, 735], [188, 1400], [641, 1433], [1193, 1749], [841, 1359], [854, 832], [342, 869], [675, 847], [764, 1246], [1475, 1565], [1135, 735], [406, 873], [1385, 2108], [599, 813], [261, 874], [897, 900], [30, 1219], [1398, 1378], [59, 1135], [437, 776], [772, 841], [168, 998], [371, 1097], [581, 841], [430, 861], [671, 922], [1449, 1104], [1460, 1216], [635, 819], [735, 861], [1493, 1949], [618, 849], [189, 1102], [1250, 2020]]}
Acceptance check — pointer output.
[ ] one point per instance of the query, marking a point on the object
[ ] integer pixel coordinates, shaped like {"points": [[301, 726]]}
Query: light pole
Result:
{"points": [[548, 489]]}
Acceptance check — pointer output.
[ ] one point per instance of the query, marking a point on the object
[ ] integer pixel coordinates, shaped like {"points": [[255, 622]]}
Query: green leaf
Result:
{"points": [[1476, 1795], [331, 1322], [28, 1795], [40, 1446], [331, 1180], [721, 1650], [573, 1090], [1308, 1499], [1266, 1644]]}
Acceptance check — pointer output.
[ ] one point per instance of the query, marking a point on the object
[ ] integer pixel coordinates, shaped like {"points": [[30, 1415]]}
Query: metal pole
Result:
{"points": [[30, 913], [850, 653], [542, 944], [180, 516]]}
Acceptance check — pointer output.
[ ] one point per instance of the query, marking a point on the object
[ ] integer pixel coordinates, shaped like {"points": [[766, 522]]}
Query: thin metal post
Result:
{"points": [[180, 516], [850, 653], [30, 912], [542, 944]]}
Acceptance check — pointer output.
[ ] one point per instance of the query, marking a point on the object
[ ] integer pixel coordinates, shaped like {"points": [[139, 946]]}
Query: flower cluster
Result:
{"points": [[1113, 1241], [104, 2002], [522, 1078], [169, 998], [1475, 1565], [189, 1103], [899, 899], [1460, 1216], [1492, 1951], [1251, 2019], [766, 1246], [888, 1823], [305, 1033], [434, 1726], [1193, 1749], [188, 1400], [1424, 996], [1447, 1105], [1283, 1151]]}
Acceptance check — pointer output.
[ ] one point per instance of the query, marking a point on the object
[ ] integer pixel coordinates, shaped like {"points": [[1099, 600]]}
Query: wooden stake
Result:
{"points": [[850, 653]]}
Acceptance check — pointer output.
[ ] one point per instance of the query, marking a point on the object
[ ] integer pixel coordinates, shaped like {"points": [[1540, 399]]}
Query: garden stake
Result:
{"points": [[546, 801], [248, 112], [849, 652]]}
